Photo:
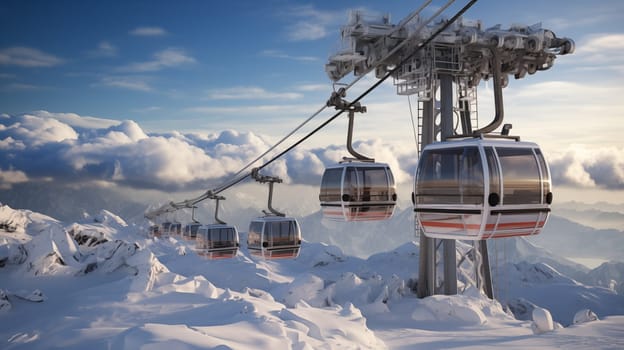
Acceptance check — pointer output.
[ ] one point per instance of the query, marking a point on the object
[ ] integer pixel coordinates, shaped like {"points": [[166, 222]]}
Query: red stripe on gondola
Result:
{"points": [[361, 215], [510, 234], [283, 255], [501, 226]]}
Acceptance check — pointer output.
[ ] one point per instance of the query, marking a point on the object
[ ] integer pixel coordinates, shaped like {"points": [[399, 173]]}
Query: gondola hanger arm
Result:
{"points": [[337, 101], [270, 180]]}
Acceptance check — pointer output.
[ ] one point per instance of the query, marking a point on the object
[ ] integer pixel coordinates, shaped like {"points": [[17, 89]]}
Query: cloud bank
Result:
{"points": [[68, 148], [41, 146]]}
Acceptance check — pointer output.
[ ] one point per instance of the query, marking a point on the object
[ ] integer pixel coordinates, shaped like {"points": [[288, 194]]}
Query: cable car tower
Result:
{"points": [[443, 72]]}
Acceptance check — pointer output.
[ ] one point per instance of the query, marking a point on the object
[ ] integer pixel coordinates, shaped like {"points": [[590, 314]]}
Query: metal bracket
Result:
{"points": [[193, 214], [270, 180], [211, 195], [337, 100]]}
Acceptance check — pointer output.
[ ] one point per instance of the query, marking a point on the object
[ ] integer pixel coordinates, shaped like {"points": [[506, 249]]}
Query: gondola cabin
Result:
{"points": [[175, 228], [274, 237], [358, 191], [217, 241], [164, 228], [482, 188], [190, 231], [155, 231]]}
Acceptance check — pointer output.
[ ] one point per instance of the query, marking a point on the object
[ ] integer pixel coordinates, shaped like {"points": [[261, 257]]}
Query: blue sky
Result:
{"points": [[257, 68], [160, 63]]}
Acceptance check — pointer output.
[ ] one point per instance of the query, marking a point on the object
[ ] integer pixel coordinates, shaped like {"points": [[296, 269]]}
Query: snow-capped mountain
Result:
{"points": [[570, 239], [103, 283]]}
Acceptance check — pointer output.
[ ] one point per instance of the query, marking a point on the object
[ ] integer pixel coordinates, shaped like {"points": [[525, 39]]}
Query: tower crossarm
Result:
{"points": [[464, 49]]}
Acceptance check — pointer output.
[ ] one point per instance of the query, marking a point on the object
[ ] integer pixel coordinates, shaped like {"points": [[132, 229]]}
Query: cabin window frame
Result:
{"points": [[545, 176], [331, 191], [254, 237], [286, 233], [517, 177], [434, 182]]}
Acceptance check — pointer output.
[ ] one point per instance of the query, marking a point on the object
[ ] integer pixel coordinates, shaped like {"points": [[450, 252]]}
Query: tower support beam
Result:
{"points": [[446, 124], [427, 258]]}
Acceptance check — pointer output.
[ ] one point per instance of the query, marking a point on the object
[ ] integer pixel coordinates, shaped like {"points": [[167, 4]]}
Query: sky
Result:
{"points": [[155, 95]]}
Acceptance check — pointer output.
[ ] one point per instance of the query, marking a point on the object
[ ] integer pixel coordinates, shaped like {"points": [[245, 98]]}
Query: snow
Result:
{"points": [[585, 315], [542, 321], [102, 283]]}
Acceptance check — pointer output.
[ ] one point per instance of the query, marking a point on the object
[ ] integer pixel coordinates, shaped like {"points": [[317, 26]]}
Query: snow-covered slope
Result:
{"points": [[101, 283], [544, 286]]}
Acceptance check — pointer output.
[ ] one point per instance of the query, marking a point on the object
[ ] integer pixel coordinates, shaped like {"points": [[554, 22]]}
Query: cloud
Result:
{"points": [[313, 87], [306, 166], [250, 93], [33, 131], [9, 143], [21, 87], [147, 109], [168, 58], [45, 147], [602, 51], [76, 121], [10, 177], [590, 16], [42, 146], [148, 31], [253, 117], [599, 43], [556, 113], [311, 23], [589, 167], [281, 54], [136, 83], [104, 49], [27, 57]]}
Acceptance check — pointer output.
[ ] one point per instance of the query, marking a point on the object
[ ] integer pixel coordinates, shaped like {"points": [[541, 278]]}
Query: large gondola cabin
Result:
{"points": [[358, 191], [274, 237], [481, 188]]}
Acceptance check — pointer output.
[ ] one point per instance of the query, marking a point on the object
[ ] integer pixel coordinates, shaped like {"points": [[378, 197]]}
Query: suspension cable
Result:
{"points": [[377, 83], [234, 180], [389, 73], [403, 23]]}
